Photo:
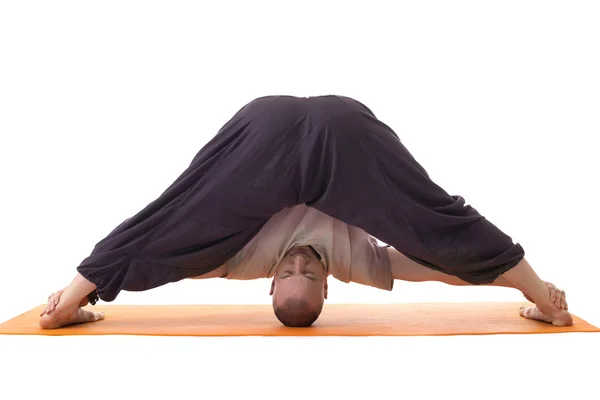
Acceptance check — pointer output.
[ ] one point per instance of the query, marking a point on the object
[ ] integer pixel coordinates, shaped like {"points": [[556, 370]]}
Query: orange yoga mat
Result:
{"points": [[406, 319]]}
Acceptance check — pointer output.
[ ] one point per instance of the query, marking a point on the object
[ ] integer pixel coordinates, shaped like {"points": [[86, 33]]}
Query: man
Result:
{"points": [[288, 181]]}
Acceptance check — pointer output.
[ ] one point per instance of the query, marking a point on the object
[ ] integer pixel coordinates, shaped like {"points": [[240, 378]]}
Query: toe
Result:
{"points": [[89, 316], [523, 311], [535, 314]]}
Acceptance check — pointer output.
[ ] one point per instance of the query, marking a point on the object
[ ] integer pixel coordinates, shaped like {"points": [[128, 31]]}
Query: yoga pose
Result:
{"points": [[297, 189]]}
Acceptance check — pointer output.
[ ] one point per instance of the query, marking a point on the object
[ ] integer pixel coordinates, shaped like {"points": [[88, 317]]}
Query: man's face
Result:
{"points": [[300, 275]]}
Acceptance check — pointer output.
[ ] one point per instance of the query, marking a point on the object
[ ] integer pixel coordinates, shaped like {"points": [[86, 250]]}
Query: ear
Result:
{"points": [[326, 288], [272, 287]]}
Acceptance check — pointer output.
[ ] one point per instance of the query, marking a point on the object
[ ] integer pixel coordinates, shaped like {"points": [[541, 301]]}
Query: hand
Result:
{"points": [[54, 299], [557, 296]]}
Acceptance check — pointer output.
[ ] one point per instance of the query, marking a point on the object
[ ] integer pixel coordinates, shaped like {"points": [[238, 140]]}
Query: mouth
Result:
{"points": [[300, 250], [296, 252]]}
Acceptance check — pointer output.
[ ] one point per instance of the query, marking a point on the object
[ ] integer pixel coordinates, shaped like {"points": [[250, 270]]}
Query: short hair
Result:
{"points": [[297, 313]]}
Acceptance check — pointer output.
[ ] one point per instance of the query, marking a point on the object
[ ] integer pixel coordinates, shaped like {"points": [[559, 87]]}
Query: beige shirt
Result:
{"points": [[348, 253]]}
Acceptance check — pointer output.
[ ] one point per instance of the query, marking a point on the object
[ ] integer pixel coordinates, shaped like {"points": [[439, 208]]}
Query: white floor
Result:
{"points": [[121, 367], [465, 367]]}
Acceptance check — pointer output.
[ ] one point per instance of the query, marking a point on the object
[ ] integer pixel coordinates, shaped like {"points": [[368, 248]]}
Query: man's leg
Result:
{"points": [[370, 180], [234, 184]]}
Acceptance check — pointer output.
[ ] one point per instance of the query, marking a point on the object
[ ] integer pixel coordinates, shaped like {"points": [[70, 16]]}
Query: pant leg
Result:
{"points": [[234, 184], [374, 183]]}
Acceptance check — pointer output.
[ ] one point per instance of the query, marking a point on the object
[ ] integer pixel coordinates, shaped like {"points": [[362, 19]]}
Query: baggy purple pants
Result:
{"points": [[329, 152]]}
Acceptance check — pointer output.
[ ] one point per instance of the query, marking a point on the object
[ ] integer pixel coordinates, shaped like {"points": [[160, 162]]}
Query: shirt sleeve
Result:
{"points": [[370, 263]]}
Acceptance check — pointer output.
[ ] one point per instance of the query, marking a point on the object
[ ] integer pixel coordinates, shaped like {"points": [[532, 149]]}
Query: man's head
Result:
{"points": [[299, 287]]}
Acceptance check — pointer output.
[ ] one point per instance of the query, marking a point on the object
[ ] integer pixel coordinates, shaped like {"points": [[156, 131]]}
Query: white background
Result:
{"points": [[103, 104]]}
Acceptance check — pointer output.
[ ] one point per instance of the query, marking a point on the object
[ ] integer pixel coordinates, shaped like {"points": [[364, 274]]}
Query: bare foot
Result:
{"points": [[553, 312], [556, 317], [524, 278], [80, 316], [62, 314]]}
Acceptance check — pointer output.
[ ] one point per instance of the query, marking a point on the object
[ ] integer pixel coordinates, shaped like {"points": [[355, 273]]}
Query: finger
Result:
{"points": [[553, 295], [48, 309], [52, 305], [559, 297], [563, 301]]}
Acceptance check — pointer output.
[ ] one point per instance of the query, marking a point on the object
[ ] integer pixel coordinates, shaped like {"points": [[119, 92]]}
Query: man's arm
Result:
{"points": [[405, 269]]}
